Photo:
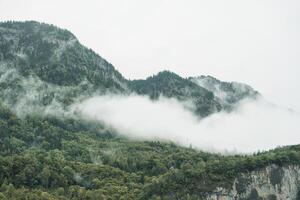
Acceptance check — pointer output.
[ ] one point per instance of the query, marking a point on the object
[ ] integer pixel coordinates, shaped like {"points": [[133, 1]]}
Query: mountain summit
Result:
{"points": [[54, 55], [42, 65], [171, 85], [228, 94]]}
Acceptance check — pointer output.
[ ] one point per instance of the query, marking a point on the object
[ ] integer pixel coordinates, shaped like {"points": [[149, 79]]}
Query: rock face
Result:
{"points": [[271, 183]]}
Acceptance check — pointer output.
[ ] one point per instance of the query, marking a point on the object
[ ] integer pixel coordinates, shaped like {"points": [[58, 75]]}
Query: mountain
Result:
{"points": [[171, 85], [45, 69], [227, 93], [41, 65], [208, 94], [54, 55], [63, 158]]}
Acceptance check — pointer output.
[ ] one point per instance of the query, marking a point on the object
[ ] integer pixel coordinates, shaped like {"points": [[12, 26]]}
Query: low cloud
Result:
{"points": [[254, 125]]}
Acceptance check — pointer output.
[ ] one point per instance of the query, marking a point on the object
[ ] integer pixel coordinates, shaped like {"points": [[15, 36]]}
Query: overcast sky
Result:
{"points": [[256, 42]]}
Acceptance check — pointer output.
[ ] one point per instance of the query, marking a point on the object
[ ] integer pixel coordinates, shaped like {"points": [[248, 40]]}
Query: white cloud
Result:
{"points": [[255, 125]]}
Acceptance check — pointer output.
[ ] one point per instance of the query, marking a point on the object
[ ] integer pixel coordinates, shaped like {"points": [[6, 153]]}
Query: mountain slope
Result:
{"points": [[44, 69], [64, 158], [54, 55], [42, 65], [227, 93], [171, 85]]}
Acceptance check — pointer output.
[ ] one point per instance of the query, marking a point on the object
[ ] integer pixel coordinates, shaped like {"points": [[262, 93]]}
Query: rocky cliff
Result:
{"points": [[271, 183]]}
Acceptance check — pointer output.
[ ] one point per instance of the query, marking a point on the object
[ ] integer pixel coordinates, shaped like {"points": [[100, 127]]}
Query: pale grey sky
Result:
{"points": [[256, 42]]}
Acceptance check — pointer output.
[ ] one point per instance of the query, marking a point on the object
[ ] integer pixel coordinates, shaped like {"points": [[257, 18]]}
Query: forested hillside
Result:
{"points": [[43, 65], [54, 158], [173, 86], [47, 152]]}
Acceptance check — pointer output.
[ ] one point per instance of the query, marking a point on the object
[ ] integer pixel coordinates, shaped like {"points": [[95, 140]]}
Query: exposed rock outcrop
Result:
{"points": [[270, 183]]}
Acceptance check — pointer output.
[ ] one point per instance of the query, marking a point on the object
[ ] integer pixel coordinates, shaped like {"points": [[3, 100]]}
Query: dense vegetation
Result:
{"points": [[54, 55], [47, 60], [46, 156], [171, 85], [65, 158]]}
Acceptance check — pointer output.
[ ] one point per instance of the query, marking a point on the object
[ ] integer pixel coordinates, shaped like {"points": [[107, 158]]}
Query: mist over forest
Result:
{"points": [[254, 125], [72, 126]]}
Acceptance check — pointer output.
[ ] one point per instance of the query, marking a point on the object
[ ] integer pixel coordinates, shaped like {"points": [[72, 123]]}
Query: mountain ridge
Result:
{"points": [[55, 56]]}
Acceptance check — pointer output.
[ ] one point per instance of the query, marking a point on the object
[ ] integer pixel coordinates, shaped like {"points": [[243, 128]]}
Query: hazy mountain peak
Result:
{"points": [[228, 93], [34, 27], [42, 64], [54, 55], [171, 85]]}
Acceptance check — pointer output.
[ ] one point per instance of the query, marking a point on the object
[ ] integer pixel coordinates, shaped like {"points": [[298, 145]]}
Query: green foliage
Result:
{"points": [[64, 71], [65, 158], [54, 158], [54, 55], [171, 85]]}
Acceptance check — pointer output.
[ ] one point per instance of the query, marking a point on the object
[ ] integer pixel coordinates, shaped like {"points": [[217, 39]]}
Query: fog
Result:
{"points": [[255, 124]]}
